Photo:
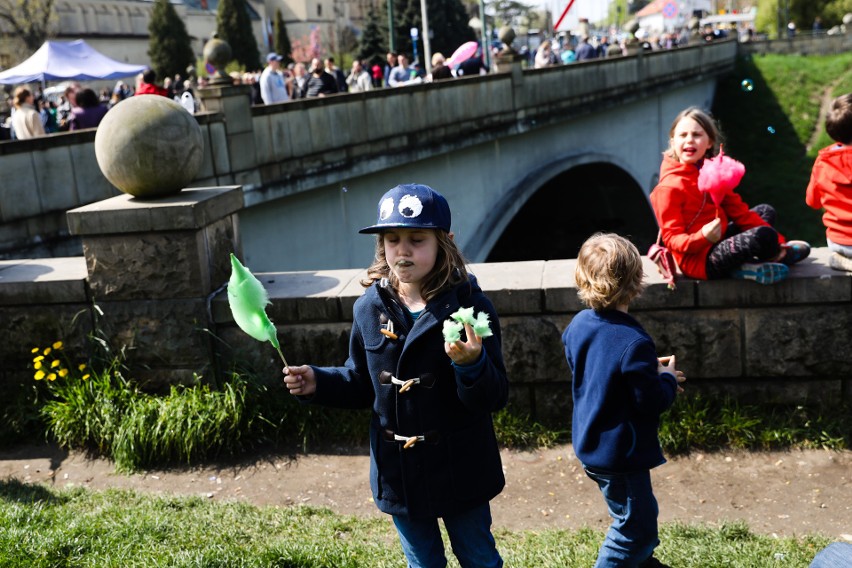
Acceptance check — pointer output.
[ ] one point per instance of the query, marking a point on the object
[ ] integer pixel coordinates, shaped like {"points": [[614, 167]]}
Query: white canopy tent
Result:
{"points": [[67, 60]]}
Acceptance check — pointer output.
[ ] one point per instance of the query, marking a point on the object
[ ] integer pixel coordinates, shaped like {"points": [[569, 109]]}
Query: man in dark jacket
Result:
{"points": [[320, 83]]}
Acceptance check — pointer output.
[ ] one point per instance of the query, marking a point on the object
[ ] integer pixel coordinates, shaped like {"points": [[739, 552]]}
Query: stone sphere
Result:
{"points": [[507, 35], [217, 52], [847, 19], [149, 146]]}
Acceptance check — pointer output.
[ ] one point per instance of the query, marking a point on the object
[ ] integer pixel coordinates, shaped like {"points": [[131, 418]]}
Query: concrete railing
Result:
{"points": [[276, 150], [802, 44]]}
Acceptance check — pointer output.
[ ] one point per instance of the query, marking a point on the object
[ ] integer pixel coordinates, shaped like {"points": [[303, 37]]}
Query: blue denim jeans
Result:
{"points": [[835, 555], [470, 537], [632, 536]]}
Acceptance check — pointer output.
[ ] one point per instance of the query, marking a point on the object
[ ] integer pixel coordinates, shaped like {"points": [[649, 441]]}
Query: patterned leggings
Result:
{"points": [[759, 244]]}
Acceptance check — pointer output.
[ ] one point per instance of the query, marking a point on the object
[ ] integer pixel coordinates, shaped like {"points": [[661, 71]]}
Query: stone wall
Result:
{"points": [[787, 342]]}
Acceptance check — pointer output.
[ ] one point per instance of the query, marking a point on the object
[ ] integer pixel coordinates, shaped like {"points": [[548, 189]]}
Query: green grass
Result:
{"points": [[697, 423], [41, 527], [786, 99], [110, 417]]}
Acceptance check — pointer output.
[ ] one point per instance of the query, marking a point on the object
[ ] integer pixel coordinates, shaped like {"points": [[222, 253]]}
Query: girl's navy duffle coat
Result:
{"points": [[455, 463]]}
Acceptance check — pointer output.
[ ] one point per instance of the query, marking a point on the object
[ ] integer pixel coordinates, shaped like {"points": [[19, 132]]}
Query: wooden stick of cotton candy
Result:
{"points": [[248, 300], [719, 176]]}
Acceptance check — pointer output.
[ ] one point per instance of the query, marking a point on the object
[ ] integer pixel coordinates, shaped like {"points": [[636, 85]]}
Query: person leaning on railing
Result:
{"points": [[26, 121]]}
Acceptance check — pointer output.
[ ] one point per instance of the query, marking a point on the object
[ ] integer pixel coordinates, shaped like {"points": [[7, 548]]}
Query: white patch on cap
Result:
{"points": [[386, 209], [410, 206]]}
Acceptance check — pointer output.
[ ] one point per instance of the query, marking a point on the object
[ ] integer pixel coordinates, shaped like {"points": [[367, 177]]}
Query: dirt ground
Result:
{"points": [[782, 493]]}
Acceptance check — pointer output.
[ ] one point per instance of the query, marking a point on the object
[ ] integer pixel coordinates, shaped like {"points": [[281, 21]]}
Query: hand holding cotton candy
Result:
{"points": [[248, 300], [719, 176], [453, 326]]}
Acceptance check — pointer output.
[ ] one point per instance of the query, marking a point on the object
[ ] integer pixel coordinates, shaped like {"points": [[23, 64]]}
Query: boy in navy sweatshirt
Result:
{"points": [[620, 389]]}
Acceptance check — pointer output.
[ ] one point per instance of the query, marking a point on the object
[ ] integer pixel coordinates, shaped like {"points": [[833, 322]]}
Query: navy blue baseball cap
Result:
{"points": [[411, 206]]}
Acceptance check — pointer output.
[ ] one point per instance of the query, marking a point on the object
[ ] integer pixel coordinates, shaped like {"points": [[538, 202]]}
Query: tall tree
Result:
{"points": [[507, 12], [282, 40], [234, 27], [774, 15], [373, 44], [448, 23], [30, 21], [834, 11], [169, 45]]}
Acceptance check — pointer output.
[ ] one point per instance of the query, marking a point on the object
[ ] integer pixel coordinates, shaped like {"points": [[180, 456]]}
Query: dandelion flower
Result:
{"points": [[35, 350], [37, 365], [37, 359], [39, 375], [47, 350], [51, 377], [86, 376], [81, 366], [63, 373], [55, 363], [57, 345]]}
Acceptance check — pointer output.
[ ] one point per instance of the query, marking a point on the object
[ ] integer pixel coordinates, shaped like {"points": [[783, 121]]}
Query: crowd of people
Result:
{"points": [[35, 113], [278, 83]]}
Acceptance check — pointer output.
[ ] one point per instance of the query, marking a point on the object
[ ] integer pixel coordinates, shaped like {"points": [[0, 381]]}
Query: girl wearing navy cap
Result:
{"points": [[433, 452]]}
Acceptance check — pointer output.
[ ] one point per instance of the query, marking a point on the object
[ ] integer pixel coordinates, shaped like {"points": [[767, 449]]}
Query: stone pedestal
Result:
{"points": [[234, 102], [152, 265], [511, 62]]}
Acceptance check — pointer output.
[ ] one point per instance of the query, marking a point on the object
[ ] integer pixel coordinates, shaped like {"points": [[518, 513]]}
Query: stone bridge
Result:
{"points": [[565, 150]]}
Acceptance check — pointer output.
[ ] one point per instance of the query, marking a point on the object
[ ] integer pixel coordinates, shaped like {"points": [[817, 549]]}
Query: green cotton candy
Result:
{"points": [[464, 315], [482, 326], [452, 331], [248, 299]]}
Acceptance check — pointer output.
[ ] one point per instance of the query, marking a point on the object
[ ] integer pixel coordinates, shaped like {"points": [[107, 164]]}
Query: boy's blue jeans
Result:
{"points": [[470, 537], [632, 536]]}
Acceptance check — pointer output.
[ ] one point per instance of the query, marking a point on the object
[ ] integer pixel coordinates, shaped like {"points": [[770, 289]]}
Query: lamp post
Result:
{"points": [[427, 47], [486, 51], [391, 41]]}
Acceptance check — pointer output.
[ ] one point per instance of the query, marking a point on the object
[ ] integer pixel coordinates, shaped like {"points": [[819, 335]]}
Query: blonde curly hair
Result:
{"points": [[609, 272]]}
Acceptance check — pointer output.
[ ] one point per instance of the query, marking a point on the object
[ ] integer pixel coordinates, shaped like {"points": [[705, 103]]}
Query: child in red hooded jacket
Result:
{"points": [[710, 242], [831, 183]]}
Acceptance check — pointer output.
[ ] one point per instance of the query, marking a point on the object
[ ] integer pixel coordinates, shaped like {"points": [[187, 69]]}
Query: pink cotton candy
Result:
{"points": [[719, 176]]}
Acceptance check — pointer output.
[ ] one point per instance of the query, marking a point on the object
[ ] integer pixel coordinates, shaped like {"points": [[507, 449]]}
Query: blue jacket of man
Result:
{"points": [[618, 394], [458, 465]]}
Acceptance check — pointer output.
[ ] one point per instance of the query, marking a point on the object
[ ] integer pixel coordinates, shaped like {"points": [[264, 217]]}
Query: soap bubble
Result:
{"points": [[770, 130], [345, 189], [747, 85]]}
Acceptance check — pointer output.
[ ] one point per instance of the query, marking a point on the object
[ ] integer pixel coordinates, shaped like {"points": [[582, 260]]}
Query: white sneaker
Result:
{"points": [[839, 262]]}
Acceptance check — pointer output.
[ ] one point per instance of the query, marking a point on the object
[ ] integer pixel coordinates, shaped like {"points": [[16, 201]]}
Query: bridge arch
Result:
{"points": [[550, 212]]}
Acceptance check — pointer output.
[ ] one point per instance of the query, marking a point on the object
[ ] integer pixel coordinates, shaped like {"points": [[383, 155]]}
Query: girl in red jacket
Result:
{"points": [[710, 242]]}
